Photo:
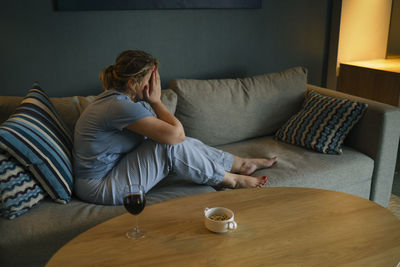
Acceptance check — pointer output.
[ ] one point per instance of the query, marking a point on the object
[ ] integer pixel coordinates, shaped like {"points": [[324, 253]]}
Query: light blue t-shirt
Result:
{"points": [[101, 139]]}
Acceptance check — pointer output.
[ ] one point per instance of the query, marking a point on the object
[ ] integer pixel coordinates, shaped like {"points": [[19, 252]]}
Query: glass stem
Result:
{"points": [[137, 224]]}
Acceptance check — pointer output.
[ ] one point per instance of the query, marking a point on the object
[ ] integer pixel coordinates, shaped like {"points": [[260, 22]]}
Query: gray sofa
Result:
{"points": [[236, 115]]}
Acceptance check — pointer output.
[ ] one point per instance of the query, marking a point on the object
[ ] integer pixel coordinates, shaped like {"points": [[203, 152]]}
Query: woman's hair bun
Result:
{"points": [[129, 65]]}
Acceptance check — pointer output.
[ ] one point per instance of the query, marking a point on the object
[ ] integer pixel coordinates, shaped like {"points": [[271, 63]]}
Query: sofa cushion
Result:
{"points": [[350, 172], [37, 137], [19, 191], [228, 110], [322, 124], [70, 108], [169, 99]]}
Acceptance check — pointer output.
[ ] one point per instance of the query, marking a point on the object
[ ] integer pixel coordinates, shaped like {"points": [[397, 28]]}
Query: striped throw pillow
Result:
{"points": [[322, 124], [36, 136], [19, 191]]}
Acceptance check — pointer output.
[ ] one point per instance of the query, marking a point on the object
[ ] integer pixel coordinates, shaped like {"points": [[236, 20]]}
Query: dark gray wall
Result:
{"points": [[65, 51]]}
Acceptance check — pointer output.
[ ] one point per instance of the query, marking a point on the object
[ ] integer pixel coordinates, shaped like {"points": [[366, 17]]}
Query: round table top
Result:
{"points": [[276, 226]]}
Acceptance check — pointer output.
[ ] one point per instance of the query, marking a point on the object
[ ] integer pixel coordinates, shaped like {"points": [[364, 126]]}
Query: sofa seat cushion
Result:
{"points": [[350, 172], [49, 226]]}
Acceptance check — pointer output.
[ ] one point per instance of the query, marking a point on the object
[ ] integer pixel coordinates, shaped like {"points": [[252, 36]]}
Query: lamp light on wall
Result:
{"points": [[364, 30]]}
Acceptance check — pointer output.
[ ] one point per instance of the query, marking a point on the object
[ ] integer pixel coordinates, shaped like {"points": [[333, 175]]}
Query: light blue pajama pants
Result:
{"points": [[151, 162]]}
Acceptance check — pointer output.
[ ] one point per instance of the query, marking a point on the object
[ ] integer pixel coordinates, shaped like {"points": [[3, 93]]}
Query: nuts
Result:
{"points": [[219, 217]]}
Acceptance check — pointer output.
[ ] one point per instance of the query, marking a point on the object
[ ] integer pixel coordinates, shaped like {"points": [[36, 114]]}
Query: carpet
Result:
{"points": [[394, 205]]}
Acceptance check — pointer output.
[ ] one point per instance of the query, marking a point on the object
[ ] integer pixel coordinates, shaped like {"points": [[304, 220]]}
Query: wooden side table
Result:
{"points": [[377, 80]]}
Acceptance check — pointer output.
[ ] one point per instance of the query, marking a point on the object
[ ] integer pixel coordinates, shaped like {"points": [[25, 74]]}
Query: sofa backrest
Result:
{"points": [[70, 108], [8, 104], [224, 111]]}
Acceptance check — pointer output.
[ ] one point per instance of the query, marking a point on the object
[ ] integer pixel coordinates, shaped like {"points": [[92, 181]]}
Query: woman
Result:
{"points": [[120, 141]]}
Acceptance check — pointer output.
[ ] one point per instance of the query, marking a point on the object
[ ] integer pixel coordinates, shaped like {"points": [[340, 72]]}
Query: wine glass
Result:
{"points": [[134, 202]]}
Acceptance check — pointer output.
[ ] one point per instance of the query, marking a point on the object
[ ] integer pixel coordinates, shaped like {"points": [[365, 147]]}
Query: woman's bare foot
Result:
{"points": [[235, 181], [246, 166]]}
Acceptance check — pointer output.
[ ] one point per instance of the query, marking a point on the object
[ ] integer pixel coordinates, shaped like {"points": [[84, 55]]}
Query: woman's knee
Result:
{"points": [[194, 141]]}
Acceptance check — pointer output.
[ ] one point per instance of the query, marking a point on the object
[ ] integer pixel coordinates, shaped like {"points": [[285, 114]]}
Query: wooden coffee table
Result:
{"points": [[276, 226]]}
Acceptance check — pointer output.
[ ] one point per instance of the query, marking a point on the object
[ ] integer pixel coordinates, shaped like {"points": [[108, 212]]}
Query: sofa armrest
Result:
{"points": [[376, 135]]}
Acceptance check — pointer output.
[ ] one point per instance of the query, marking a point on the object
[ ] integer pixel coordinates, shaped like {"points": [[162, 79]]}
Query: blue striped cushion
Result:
{"points": [[37, 137], [19, 192], [322, 124]]}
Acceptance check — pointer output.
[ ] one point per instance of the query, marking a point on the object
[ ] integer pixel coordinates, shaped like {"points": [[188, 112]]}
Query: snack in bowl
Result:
{"points": [[222, 217], [219, 219]]}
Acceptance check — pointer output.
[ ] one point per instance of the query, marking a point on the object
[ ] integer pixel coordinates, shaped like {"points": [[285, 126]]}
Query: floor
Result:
{"points": [[396, 180], [394, 204], [396, 184]]}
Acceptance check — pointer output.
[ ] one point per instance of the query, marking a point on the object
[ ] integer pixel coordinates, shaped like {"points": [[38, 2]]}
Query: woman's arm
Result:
{"points": [[166, 128]]}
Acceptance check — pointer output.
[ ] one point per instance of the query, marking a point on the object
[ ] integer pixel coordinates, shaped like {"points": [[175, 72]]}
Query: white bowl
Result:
{"points": [[219, 226]]}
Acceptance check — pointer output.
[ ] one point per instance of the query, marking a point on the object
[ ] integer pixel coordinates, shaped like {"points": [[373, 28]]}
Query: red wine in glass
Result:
{"points": [[134, 200], [134, 203]]}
